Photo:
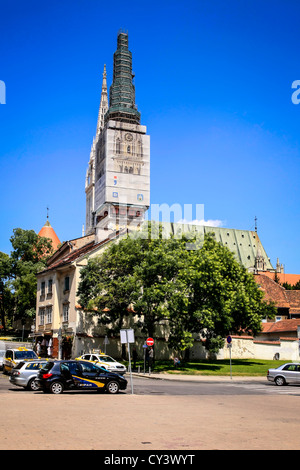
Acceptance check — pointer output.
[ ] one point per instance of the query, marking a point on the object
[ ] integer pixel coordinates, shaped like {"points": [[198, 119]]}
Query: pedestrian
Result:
{"points": [[134, 357], [38, 348], [176, 362]]}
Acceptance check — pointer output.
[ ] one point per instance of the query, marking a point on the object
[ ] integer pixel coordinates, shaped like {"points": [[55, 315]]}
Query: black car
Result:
{"points": [[58, 376]]}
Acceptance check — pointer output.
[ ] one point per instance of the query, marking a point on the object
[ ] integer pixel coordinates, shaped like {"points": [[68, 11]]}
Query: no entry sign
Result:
{"points": [[149, 341]]}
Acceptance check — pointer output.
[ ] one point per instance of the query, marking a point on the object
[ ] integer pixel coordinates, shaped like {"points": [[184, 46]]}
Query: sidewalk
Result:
{"points": [[197, 378]]}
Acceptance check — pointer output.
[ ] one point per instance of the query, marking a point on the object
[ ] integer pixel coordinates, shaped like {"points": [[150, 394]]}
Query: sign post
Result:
{"points": [[229, 345], [127, 336], [150, 342], [106, 341], [144, 348]]}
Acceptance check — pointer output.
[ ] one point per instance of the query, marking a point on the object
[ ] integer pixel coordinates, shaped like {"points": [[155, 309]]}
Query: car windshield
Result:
{"points": [[25, 355], [106, 359]]}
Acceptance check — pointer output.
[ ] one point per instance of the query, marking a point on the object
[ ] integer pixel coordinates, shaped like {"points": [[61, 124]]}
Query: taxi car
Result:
{"points": [[57, 376], [13, 357], [105, 361], [24, 374]]}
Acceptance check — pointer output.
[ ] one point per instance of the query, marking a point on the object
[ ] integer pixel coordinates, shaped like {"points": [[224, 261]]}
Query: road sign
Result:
{"points": [[229, 339], [127, 336], [149, 341]]}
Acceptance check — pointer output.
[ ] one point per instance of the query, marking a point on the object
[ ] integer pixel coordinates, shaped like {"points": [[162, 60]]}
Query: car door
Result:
{"points": [[68, 371], [291, 373], [91, 376]]}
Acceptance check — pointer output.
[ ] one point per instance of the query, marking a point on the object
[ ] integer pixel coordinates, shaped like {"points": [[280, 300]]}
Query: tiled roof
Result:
{"points": [[74, 255], [273, 291], [281, 326], [294, 300], [284, 277], [48, 232]]}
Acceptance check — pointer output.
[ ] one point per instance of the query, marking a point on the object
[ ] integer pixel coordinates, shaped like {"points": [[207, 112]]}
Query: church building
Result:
{"points": [[117, 193]]}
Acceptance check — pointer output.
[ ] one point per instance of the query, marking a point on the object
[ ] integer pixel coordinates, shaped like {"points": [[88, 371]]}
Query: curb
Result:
{"points": [[200, 378]]}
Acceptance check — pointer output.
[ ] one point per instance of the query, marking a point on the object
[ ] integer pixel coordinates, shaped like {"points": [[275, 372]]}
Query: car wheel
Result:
{"points": [[112, 387], [279, 381], [33, 385], [56, 388]]}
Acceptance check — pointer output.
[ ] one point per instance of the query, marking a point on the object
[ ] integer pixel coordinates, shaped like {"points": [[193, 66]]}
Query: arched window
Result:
{"points": [[118, 146]]}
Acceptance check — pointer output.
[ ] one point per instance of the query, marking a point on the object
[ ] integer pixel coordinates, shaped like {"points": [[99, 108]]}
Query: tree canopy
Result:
{"points": [[203, 290], [18, 271]]}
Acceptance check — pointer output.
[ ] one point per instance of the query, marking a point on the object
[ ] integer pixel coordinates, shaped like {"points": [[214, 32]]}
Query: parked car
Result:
{"points": [[2, 353], [13, 357], [106, 362], [285, 374], [57, 376], [24, 374]]}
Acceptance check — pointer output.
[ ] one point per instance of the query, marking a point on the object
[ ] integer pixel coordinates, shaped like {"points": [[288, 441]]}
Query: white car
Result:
{"points": [[106, 362], [13, 357]]}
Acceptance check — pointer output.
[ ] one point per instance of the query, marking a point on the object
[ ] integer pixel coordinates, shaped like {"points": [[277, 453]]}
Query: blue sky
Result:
{"points": [[213, 85]]}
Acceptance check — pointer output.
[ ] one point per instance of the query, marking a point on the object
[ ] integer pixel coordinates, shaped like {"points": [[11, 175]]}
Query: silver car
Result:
{"points": [[24, 374], [286, 374]]}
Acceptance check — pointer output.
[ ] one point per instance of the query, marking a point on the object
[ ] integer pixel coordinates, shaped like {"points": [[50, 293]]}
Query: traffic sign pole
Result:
{"points": [[229, 345], [127, 336]]}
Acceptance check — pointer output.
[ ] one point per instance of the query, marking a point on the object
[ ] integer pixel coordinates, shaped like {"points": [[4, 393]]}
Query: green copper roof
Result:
{"points": [[122, 92], [245, 244]]}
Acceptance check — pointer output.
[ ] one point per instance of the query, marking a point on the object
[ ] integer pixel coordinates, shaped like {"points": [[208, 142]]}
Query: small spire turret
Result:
{"points": [[103, 108]]}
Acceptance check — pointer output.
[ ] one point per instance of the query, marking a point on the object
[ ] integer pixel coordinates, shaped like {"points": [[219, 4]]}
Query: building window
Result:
{"points": [[67, 283], [41, 316], [49, 314], [66, 313], [49, 293], [43, 284]]}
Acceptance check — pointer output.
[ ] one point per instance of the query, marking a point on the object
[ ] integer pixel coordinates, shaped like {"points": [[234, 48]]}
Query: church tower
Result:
{"points": [[119, 165], [90, 174]]}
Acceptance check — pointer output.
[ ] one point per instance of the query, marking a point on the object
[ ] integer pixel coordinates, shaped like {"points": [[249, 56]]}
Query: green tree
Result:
{"points": [[18, 274], [6, 297], [107, 283], [220, 298], [201, 290]]}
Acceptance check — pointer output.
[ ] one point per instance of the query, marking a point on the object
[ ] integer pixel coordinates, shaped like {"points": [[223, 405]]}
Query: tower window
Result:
{"points": [[128, 148]]}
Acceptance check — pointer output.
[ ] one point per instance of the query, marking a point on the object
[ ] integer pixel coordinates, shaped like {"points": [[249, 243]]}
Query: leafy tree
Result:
{"points": [[288, 286], [107, 285], [18, 274], [6, 298], [203, 290], [221, 297]]}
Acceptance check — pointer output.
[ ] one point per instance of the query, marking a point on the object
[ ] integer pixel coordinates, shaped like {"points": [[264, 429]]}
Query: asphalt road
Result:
{"points": [[160, 415]]}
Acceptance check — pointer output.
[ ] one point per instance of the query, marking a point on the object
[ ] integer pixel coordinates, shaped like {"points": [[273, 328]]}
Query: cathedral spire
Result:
{"points": [[103, 104], [122, 105]]}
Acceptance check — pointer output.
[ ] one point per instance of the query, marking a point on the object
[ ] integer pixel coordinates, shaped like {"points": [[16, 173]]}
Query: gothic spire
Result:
{"points": [[103, 104]]}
